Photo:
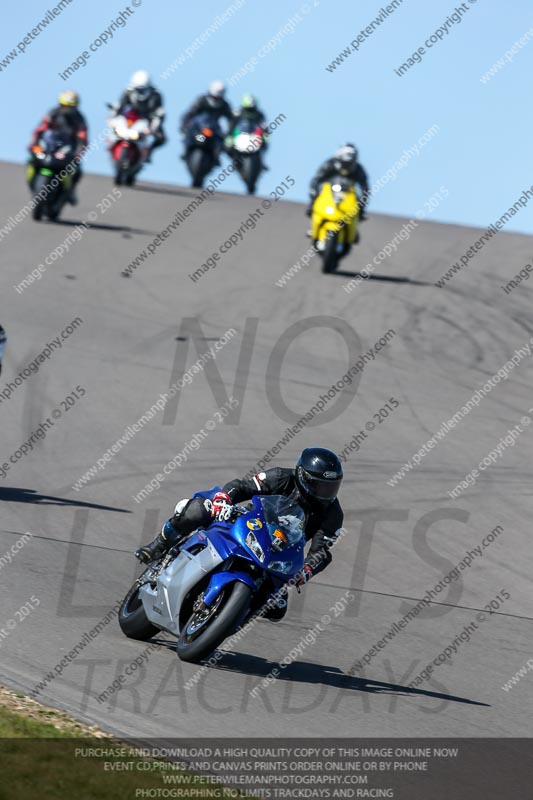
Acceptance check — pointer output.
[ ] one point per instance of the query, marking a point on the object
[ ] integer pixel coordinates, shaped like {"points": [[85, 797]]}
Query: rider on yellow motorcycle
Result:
{"points": [[343, 163]]}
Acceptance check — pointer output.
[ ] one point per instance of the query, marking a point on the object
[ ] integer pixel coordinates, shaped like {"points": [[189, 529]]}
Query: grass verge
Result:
{"points": [[44, 756]]}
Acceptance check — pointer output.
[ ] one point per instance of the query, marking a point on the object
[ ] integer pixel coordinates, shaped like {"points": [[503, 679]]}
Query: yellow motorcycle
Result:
{"points": [[334, 221]]}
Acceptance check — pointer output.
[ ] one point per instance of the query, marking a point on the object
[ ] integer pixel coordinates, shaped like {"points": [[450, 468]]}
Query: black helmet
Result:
{"points": [[318, 475]]}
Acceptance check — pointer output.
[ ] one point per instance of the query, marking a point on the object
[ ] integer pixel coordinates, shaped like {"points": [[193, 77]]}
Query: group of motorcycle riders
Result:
{"points": [[315, 481], [142, 97]]}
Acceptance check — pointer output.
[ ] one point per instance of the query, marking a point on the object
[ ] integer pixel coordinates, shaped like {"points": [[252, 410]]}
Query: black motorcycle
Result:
{"points": [[203, 143], [49, 182]]}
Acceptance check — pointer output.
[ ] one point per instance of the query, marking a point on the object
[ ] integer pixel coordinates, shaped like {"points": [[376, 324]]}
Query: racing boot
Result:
{"points": [[159, 546], [276, 607]]}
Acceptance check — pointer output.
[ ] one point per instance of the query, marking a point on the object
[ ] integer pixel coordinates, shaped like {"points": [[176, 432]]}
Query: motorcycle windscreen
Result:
{"points": [[285, 519], [205, 120]]}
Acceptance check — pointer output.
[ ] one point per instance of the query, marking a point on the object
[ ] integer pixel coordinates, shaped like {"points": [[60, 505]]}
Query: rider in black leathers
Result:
{"points": [[67, 120], [148, 102], [313, 484], [213, 103], [344, 163], [249, 111]]}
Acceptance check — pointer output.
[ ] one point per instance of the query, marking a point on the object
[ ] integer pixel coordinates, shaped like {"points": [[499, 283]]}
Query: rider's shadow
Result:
{"points": [[343, 273], [19, 495], [190, 193], [100, 226], [307, 672]]}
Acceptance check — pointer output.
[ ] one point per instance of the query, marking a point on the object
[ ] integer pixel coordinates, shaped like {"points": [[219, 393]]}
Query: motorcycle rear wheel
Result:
{"points": [[132, 618], [199, 637]]}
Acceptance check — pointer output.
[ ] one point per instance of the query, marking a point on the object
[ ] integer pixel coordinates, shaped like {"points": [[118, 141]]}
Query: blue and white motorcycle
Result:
{"points": [[204, 589]]}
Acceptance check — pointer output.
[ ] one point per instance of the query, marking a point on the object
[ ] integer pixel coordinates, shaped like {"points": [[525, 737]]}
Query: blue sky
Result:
{"points": [[482, 153]]}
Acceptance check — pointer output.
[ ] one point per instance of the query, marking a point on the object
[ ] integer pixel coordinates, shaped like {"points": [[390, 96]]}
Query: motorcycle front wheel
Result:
{"points": [[39, 184], [200, 163], [330, 257], [207, 628], [250, 170], [55, 205], [122, 168]]}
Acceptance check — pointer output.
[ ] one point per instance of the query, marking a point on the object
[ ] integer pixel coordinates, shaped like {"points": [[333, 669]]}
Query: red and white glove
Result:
{"points": [[222, 508], [305, 575]]}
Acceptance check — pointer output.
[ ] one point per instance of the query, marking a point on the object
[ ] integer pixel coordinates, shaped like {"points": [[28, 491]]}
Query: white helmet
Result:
{"points": [[139, 80], [347, 154], [217, 89]]}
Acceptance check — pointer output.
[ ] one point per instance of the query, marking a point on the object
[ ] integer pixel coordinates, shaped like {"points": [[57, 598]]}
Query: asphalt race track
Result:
{"points": [[139, 334]]}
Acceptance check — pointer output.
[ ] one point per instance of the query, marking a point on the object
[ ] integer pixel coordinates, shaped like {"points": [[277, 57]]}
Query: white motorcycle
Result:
{"points": [[129, 144], [248, 141]]}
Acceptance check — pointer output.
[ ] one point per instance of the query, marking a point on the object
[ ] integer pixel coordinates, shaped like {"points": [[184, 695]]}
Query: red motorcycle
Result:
{"points": [[130, 144]]}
